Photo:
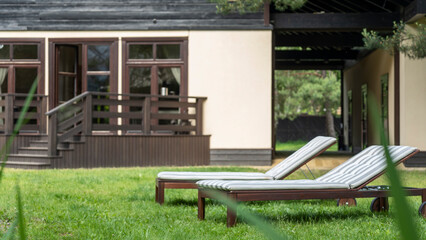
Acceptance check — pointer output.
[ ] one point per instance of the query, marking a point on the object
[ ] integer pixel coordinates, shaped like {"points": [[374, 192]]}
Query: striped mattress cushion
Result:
{"points": [[269, 185], [193, 176], [298, 158], [365, 165]]}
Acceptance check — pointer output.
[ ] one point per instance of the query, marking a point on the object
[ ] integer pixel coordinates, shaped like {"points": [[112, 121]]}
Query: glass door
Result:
{"points": [[67, 72]]}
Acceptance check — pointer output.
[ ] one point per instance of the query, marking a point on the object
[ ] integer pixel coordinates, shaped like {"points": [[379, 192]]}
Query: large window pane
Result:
{"points": [[25, 52], [98, 57], [67, 59], [140, 80], [169, 78], [98, 83], [3, 80], [66, 88], [139, 51], [168, 51], [4, 51], [24, 78]]}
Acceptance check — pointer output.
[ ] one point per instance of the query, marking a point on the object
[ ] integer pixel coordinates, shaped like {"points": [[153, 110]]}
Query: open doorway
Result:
{"points": [[307, 104]]}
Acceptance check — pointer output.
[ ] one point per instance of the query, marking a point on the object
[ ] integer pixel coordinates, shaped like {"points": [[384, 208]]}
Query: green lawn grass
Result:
{"points": [[119, 204], [295, 145]]}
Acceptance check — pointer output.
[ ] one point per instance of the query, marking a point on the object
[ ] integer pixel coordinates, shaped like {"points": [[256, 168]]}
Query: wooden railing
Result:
{"points": [[11, 105], [113, 113]]}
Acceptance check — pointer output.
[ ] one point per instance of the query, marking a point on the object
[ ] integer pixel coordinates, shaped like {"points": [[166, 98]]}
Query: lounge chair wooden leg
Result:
{"points": [[159, 193], [201, 206], [379, 204], [156, 192], [422, 210], [231, 217], [346, 202]]}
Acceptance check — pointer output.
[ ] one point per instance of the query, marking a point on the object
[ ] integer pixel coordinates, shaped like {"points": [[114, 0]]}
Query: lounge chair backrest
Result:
{"points": [[298, 158], [365, 165]]}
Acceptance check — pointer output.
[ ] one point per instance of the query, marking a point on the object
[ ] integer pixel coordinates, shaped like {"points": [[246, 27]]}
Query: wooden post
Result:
{"points": [[199, 117], [146, 121], [9, 115], [43, 118], [52, 135], [87, 115]]}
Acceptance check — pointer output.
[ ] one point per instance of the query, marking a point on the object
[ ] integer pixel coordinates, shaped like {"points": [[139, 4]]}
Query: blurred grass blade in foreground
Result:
{"points": [[19, 221], [403, 216], [21, 121]]}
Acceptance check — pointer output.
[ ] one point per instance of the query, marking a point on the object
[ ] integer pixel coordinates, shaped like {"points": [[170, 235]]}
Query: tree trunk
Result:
{"points": [[329, 121]]}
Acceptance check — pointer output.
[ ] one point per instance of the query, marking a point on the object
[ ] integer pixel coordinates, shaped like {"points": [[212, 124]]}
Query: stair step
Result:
{"points": [[61, 145], [34, 158], [27, 165], [38, 143], [33, 150]]}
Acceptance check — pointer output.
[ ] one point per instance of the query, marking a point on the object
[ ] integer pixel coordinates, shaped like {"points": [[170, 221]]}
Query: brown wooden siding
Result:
{"points": [[130, 151]]}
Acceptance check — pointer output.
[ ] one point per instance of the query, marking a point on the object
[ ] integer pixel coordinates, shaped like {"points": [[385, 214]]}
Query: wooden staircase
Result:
{"points": [[35, 155]]}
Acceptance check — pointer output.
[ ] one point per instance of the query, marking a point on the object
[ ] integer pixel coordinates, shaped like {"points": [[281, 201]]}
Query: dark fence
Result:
{"points": [[304, 128]]}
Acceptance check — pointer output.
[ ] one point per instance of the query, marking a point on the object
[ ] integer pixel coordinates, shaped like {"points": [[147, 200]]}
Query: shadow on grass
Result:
{"points": [[308, 211], [295, 217], [183, 202]]}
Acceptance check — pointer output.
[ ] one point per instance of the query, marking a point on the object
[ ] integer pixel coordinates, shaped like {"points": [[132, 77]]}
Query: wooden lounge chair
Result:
{"points": [[293, 162], [348, 180]]}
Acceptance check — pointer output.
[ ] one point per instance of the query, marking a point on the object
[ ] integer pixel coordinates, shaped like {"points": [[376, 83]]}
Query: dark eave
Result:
{"points": [[333, 21], [328, 32], [316, 55], [310, 65], [116, 15], [319, 39], [415, 10]]}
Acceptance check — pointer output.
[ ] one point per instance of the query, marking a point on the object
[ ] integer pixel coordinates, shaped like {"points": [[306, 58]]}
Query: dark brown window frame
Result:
{"points": [[155, 63], [113, 72], [12, 64]]}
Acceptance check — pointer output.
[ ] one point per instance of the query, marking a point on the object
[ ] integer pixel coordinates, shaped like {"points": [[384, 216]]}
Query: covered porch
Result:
{"points": [[97, 129]]}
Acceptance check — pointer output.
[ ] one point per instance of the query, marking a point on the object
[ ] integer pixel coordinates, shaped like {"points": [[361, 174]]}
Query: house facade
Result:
{"points": [[143, 83], [175, 48]]}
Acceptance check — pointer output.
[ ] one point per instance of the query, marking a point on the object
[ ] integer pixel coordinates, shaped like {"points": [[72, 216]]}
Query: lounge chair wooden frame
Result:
{"points": [[271, 195], [162, 184]]}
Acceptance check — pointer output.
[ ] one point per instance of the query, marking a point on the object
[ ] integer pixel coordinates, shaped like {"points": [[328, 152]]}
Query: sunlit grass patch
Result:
{"points": [[119, 204]]}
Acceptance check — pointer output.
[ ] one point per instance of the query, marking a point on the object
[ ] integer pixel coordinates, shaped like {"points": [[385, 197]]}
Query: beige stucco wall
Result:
{"points": [[413, 101], [231, 68], [369, 70]]}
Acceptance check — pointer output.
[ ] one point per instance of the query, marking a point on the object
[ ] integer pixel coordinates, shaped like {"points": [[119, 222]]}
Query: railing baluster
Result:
{"points": [[147, 116], [88, 115], [9, 115], [53, 135], [42, 117], [199, 117]]}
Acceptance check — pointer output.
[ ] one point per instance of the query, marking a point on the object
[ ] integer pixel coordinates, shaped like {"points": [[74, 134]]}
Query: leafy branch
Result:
{"points": [[410, 43], [244, 6]]}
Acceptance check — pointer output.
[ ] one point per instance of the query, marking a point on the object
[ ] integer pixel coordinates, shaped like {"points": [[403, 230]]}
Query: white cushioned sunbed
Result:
{"points": [[293, 162], [345, 183], [349, 175]]}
